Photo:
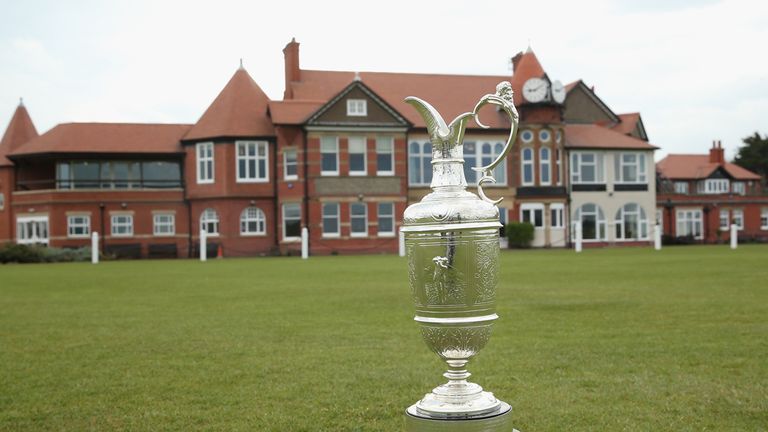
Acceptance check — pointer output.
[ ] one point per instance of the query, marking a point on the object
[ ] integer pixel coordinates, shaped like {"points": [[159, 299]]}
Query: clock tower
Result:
{"points": [[538, 163]]}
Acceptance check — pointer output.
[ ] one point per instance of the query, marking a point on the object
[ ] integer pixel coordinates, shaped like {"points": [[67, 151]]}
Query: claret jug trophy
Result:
{"points": [[452, 245]]}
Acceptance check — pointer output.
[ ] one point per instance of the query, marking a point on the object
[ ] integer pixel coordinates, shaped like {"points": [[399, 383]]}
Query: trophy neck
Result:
{"points": [[448, 169]]}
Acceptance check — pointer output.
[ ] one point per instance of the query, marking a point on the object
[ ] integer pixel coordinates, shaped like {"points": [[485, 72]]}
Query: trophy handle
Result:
{"points": [[503, 99]]}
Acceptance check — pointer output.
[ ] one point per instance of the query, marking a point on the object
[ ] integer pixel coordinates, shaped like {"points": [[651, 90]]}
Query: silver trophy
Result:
{"points": [[452, 243]]}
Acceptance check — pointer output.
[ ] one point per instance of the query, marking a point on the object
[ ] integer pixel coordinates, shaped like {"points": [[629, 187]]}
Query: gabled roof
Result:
{"points": [[598, 137], [123, 138], [240, 110], [630, 122], [526, 66], [19, 130], [698, 166], [451, 95], [596, 101], [358, 89]]}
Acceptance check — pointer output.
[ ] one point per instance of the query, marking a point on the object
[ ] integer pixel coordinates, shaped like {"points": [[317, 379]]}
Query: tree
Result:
{"points": [[754, 154]]}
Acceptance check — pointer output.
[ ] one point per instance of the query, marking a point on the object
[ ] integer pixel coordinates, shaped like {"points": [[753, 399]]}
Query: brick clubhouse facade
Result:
{"points": [[341, 154]]}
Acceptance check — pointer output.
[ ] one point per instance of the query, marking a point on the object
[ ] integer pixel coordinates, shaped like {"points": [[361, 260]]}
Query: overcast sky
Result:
{"points": [[696, 70]]}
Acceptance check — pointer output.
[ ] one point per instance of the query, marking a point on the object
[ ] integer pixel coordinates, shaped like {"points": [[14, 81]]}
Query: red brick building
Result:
{"points": [[701, 195], [342, 154]]}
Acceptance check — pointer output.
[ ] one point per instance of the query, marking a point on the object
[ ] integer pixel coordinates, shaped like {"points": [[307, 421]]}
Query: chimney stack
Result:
{"points": [[717, 153], [292, 70]]}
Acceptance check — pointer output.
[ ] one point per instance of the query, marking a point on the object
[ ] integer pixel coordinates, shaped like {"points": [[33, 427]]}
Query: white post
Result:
{"points": [[734, 236], [657, 237], [578, 236], [304, 243], [401, 242], [203, 245], [94, 248]]}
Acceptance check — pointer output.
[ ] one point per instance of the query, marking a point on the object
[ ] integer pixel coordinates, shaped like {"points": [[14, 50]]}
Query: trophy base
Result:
{"points": [[501, 421]]}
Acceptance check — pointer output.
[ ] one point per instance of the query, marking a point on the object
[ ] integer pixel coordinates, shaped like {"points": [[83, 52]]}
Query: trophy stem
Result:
{"points": [[457, 373]]}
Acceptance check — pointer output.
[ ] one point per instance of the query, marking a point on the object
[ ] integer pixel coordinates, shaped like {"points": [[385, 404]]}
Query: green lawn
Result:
{"points": [[606, 340]]}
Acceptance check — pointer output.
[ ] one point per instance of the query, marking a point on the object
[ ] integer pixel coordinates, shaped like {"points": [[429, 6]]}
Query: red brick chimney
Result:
{"points": [[716, 153], [292, 71]]}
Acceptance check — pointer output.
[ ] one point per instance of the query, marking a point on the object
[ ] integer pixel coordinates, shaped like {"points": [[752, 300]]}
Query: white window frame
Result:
{"points": [[557, 216], [331, 218], [639, 164], [419, 158], [739, 188], [601, 229], [256, 176], [357, 107], [559, 165], [714, 186], [74, 224], [2, 201], [163, 228], [352, 216], [737, 218], [577, 164], [325, 145], [764, 218], [531, 209], [382, 142], [527, 162], [287, 163], [526, 133], [390, 216], [284, 220], [249, 215], [35, 223], [725, 219], [545, 161], [357, 140], [681, 187], [642, 222], [120, 221], [205, 159], [210, 218], [692, 216]]}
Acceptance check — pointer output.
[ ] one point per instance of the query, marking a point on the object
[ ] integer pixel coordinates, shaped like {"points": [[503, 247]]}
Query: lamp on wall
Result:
{"points": [[123, 205]]}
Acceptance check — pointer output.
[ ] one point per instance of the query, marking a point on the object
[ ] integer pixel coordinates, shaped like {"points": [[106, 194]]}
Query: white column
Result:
{"points": [[94, 248], [734, 236], [578, 236], [657, 237], [304, 243], [203, 245], [401, 242]]}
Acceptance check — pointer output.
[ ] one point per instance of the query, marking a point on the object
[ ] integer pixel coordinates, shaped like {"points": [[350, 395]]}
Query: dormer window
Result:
{"points": [[357, 107]]}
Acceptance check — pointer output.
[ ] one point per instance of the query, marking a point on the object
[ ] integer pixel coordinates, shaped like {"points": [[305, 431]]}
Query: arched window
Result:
{"points": [[527, 166], [420, 163], [545, 173], [592, 222], [209, 221], [253, 221], [631, 223]]}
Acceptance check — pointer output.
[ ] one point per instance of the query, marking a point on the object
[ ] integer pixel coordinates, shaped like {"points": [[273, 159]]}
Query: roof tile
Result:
{"points": [[240, 110]]}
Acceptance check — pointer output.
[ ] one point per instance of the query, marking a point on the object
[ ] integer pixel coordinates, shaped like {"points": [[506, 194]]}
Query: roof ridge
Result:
{"points": [[406, 73]]}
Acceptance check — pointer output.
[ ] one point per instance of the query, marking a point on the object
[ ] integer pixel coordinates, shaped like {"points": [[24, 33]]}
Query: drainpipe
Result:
{"points": [[275, 196], [305, 199], [101, 221]]}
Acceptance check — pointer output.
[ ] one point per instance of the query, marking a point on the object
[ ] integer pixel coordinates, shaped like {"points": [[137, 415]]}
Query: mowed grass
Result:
{"points": [[607, 340]]}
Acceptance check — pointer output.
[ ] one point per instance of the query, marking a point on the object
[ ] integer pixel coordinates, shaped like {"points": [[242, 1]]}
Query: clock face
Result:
{"points": [[535, 90], [558, 92]]}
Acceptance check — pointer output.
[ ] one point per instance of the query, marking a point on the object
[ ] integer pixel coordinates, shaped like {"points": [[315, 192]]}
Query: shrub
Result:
{"points": [[520, 234], [21, 253]]}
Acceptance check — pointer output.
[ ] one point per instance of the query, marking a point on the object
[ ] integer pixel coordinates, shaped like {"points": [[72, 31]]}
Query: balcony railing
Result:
{"points": [[63, 185]]}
